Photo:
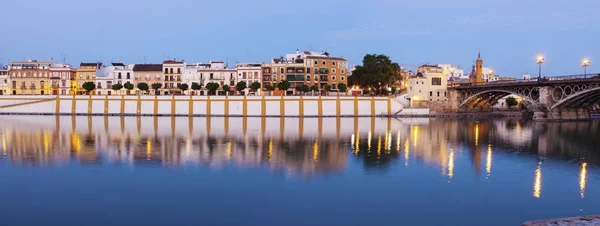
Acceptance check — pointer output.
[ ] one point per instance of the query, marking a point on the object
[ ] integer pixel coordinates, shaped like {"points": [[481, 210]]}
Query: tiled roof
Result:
{"points": [[324, 58], [172, 62], [98, 64], [147, 67]]}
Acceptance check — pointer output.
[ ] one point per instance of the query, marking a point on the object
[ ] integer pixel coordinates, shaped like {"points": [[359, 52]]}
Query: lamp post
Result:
{"points": [[585, 63], [539, 60]]}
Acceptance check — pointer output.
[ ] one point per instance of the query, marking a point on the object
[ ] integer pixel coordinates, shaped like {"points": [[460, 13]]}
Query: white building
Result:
{"points": [[453, 72], [4, 80], [249, 73], [190, 74], [217, 72], [123, 73], [104, 80], [488, 75], [429, 84]]}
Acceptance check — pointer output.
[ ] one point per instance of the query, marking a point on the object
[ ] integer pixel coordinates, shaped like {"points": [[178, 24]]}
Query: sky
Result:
{"points": [[508, 33]]}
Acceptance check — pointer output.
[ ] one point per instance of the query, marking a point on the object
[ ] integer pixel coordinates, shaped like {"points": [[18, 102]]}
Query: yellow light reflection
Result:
{"points": [[415, 135], [385, 142], [369, 141], [582, 179], [352, 140], [270, 149], [357, 143], [398, 142], [476, 134], [389, 142], [188, 146], [451, 164], [537, 184], [316, 151], [4, 142], [378, 145], [46, 142], [488, 162], [406, 152], [76, 143], [148, 149], [229, 152]]}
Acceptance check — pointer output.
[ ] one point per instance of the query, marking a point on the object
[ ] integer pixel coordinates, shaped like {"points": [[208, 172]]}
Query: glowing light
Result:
{"points": [[316, 151], [476, 134], [378, 145], [537, 183], [46, 142], [488, 162], [415, 135], [270, 149], [369, 141], [451, 164], [585, 62], [406, 152], [582, 179], [398, 142], [539, 59], [4, 142], [357, 148], [148, 149], [229, 152], [188, 146]]}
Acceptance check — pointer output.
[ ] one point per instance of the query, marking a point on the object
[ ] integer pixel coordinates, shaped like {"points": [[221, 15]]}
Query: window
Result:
{"points": [[14, 84], [243, 75], [333, 86], [275, 70], [201, 76], [282, 70], [166, 71], [308, 78], [308, 70], [81, 76], [342, 71], [316, 70], [333, 63], [128, 76], [211, 76], [64, 83], [342, 78], [333, 78], [282, 77], [430, 93], [178, 70], [99, 85], [333, 70], [316, 63], [171, 70], [119, 75], [255, 75], [436, 81], [324, 62], [438, 93]]}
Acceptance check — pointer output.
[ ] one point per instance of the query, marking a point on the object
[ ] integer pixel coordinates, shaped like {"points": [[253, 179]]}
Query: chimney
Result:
{"points": [[297, 51]]}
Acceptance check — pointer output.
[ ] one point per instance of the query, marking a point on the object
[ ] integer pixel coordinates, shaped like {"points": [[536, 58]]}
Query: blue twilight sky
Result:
{"points": [[508, 33]]}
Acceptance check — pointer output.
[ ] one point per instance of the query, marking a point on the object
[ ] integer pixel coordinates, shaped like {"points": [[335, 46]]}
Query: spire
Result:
{"points": [[478, 55]]}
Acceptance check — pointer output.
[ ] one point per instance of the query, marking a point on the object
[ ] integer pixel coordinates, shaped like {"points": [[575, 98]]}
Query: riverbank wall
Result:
{"points": [[229, 106]]}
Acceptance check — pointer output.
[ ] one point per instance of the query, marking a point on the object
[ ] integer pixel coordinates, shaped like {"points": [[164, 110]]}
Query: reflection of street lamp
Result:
{"points": [[539, 60], [585, 63]]}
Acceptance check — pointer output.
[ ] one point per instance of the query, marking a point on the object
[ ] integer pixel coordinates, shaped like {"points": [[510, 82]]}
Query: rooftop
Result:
{"points": [[147, 67], [97, 64], [172, 62]]}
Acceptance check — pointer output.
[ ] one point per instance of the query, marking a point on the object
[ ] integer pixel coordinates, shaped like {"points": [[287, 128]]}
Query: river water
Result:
{"points": [[270, 171]]}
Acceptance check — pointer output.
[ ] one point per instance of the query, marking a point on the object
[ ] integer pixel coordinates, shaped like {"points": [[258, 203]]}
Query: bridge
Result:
{"points": [[559, 97]]}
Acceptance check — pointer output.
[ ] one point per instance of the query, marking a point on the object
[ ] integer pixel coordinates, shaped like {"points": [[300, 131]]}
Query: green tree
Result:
{"points": [[143, 86], [377, 72], [255, 86], [183, 87], [156, 87], [128, 86], [227, 89], [88, 86], [241, 86], [298, 89], [327, 88], [511, 102], [117, 87], [305, 88], [283, 85], [196, 86], [342, 87], [270, 88], [314, 88], [212, 87]]}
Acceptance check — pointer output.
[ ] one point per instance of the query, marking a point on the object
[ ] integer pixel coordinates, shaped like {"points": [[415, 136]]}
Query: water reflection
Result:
{"points": [[298, 146]]}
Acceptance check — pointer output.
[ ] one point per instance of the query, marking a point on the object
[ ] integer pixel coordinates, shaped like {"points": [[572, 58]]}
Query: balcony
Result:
{"points": [[323, 79], [324, 71], [266, 78], [295, 78]]}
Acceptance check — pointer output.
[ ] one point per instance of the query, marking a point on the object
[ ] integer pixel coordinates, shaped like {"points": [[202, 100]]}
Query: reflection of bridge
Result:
{"points": [[564, 97]]}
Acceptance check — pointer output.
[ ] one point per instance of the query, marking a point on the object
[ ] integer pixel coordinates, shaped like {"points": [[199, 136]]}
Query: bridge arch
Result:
{"points": [[581, 99], [490, 97]]}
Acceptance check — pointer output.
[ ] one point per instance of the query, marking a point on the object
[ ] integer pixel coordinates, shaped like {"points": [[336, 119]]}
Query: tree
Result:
{"points": [[226, 88], [212, 87], [314, 88], [327, 88], [270, 88], [196, 86], [183, 87], [305, 88], [117, 87], [128, 86], [156, 87], [298, 88], [241, 86], [88, 86], [143, 86], [342, 87], [377, 72], [511, 102], [255, 86], [283, 85]]}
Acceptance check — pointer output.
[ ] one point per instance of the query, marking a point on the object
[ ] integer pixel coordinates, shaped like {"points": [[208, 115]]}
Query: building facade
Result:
{"points": [[218, 73], [428, 85], [249, 73], [172, 72], [61, 76], [323, 70], [4, 80], [30, 78], [85, 73], [190, 75], [150, 74]]}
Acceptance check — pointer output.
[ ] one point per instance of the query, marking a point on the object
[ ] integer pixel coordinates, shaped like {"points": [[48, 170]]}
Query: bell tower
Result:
{"points": [[479, 69]]}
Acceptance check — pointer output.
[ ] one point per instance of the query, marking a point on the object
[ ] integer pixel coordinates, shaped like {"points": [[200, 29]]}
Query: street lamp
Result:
{"points": [[585, 63], [539, 60]]}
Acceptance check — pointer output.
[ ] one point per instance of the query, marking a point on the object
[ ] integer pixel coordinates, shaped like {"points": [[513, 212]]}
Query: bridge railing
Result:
{"points": [[579, 77]]}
